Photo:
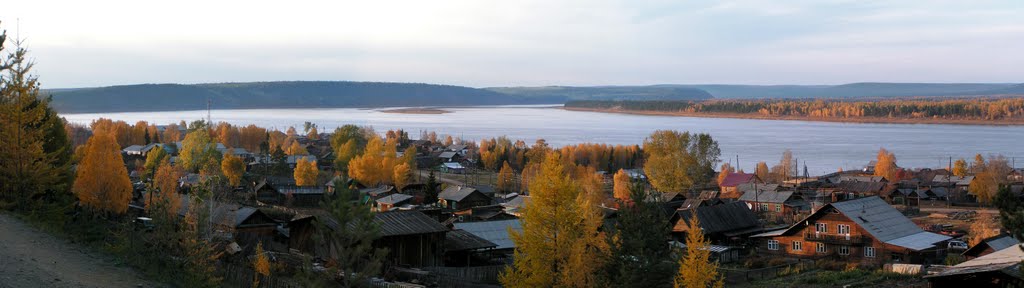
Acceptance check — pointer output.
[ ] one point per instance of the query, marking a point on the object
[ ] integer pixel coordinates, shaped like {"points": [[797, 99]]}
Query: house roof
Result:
{"points": [[133, 148], [998, 242], [300, 190], [456, 147], [1006, 261], [447, 154], [397, 223], [460, 240], [456, 193], [496, 232], [767, 196], [861, 179], [377, 191], [453, 165], [394, 199], [745, 187], [959, 180], [734, 179], [731, 218], [886, 224], [861, 187]]}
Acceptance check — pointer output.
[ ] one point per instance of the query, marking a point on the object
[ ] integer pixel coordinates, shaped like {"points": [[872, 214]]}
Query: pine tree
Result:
{"points": [[102, 181], [696, 269], [351, 236], [560, 244], [431, 191], [639, 255]]}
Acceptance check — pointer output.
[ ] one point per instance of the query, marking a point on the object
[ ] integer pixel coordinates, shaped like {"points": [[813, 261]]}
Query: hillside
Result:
{"points": [[302, 94], [613, 93], [854, 90]]}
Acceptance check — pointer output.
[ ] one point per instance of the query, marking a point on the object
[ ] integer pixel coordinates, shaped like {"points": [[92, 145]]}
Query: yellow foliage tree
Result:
{"points": [[726, 169], [885, 166], [762, 171], [667, 161], [261, 264], [233, 168], [402, 174], [983, 227], [505, 178], [377, 163], [102, 182], [313, 134], [696, 268], [166, 183], [960, 167], [296, 149], [560, 244], [305, 172], [621, 185]]}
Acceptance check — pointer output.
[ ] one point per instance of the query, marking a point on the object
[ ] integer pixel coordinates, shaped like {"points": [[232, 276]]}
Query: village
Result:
{"points": [[450, 224]]}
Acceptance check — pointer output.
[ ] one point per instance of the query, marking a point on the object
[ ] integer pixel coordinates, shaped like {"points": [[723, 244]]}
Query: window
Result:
{"points": [[764, 207], [843, 228], [821, 228], [778, 208], [844, 250], [773, 244], [869, 252], [798, 246], [821, 248]]}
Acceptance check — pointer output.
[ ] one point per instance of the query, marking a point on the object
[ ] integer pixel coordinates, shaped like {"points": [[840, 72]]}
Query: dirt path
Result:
{"points": [[32, 258]]}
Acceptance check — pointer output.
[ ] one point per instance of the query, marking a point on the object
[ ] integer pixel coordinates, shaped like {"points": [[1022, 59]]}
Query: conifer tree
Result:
{"points": [[696, 269], [102, 182], [351, 236], [639, 255]]}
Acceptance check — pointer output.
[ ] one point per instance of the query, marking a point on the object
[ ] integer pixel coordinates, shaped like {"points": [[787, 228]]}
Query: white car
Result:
{"points": [[957, 245]]}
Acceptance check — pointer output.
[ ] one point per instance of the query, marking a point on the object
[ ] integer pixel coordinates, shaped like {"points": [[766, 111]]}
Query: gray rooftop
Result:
{"points": [[456, 193], [887, 224], [494, 231], [766, 196], [394, 198]]}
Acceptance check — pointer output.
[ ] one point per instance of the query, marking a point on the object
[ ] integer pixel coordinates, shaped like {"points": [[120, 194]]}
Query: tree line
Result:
{"points": [[986, 108]]}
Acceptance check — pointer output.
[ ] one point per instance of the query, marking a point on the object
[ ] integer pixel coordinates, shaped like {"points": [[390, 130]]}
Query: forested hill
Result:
{"points": [[616, 93], [856, 90], [301, 94]]}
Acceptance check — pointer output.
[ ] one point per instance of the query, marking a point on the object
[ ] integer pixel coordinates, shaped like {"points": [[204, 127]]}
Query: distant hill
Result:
{"points": [[855, 90], [298, 94], [615, 93]]}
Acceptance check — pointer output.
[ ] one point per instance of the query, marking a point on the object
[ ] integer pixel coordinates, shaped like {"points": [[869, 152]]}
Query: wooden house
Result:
{"points": [[461, 247], [866, 230], [725, 223], [412, 238], [461, 198], [998, 269], [777, 205], [296, 196], [730, 185], [392, 201], [990, 245]]}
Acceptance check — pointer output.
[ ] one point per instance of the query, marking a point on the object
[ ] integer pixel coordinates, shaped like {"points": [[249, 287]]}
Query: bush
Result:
{"points": [[754, 263], [777, 262], [830, 265]]}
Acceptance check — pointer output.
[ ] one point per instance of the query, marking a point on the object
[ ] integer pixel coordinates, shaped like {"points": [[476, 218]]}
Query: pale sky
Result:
{"points": [[482, 43]]}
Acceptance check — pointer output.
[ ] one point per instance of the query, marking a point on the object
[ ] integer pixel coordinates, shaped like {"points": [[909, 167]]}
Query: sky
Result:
{"points": [[482, 43]]}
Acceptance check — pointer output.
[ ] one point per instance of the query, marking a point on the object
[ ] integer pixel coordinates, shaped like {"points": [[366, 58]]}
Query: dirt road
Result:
{"points": [[32, 258]]}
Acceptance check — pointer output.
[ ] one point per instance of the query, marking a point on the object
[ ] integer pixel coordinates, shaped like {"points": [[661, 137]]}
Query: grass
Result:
{"points": [[850, 278]]}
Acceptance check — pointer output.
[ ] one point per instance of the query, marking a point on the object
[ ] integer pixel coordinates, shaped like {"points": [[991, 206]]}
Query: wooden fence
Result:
{"points": [[478, 274], [240, 276], [735, 276]]}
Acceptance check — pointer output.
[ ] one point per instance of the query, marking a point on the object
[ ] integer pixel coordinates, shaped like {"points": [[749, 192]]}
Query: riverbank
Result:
{"points": [[877, 120], [416, 111]]}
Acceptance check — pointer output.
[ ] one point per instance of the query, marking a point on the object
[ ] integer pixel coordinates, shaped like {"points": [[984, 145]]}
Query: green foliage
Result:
{"points": [[198, 151], [350, 237], [1011, 212], [639, 254], [677, 161]]}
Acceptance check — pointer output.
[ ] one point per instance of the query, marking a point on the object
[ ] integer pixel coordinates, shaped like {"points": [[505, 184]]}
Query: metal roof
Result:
{"points": [[395, 223], [734, 179], [460, 240], [1001, 243], [1007, 261], [887, 224], [394, 198], [767, 196], [494, 231], [456, 193], [447, 155]]}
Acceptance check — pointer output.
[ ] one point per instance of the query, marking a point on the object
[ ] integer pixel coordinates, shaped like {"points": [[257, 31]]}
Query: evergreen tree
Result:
{"points": [[431, 191], [102, 182], [1011, 212], [640, 255], [351, 234], [696, 269]]}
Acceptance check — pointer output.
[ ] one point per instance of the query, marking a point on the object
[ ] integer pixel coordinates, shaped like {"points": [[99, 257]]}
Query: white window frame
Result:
{"points": [[869, 252], [843, 250], [821, 248], [778, 208], [764, 207], [843, 229], [821, 227], [773, 245], [798, 246]]}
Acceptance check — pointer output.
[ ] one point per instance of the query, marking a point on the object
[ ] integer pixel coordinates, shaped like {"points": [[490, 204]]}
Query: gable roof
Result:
{"points": [[457, 193], [998, 242], [496, 232], [1006, 261], [460, 240], [732, 219], [959, 180], [394, 199], [767, 196], [397, 223], [885, 223], [734, 179], [447, 154]]}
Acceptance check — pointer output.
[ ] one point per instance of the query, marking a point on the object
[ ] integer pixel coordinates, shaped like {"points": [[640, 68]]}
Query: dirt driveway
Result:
{"points": [[32, 258]]}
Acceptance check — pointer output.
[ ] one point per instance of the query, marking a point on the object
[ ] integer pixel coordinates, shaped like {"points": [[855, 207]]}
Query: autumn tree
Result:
{"points": [[403, 173], [983, 227], [313, 134], [784, 170], [197, 151], [677, 161], [724, 171], [233, 168], [35, 155], [261, 264], [960, 168], [885, 166], [345, 153], [505, 178], [172, 134], [621, 185], [762, 171], [560, 244], [153, 160], [989, 177], [979, 164], [639, 256], [296, 149], [352, 236], [696, 269], [305, 172], [102, 181], [164, 191]]}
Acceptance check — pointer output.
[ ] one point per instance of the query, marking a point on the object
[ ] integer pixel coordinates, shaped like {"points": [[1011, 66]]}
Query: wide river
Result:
{"points": [[823, 146]]}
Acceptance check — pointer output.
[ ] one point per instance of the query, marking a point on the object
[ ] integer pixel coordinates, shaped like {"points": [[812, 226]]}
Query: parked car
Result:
{"points": [[957, 245]]}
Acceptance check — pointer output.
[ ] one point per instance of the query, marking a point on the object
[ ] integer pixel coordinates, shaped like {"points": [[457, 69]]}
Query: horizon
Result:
{"points": [[522, 44]]}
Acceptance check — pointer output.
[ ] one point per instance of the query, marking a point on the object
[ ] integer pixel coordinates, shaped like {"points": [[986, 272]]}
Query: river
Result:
{"points": [[823, 146]]}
